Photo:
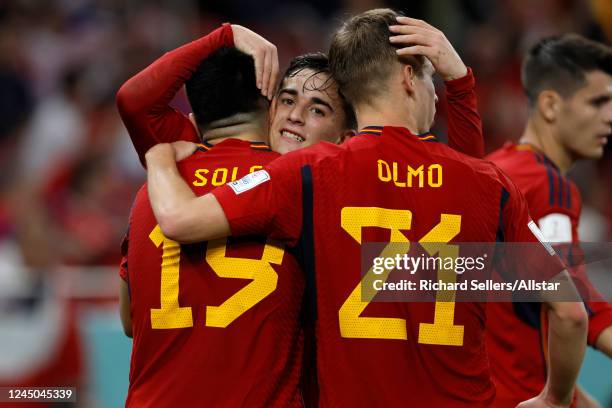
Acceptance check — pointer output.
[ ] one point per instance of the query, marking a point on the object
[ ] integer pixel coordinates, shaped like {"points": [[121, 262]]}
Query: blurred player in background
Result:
{"points": [[568, 81], [217, 323], [329, 199]]}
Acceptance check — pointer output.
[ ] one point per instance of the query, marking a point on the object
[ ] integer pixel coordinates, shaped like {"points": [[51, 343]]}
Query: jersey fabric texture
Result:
{"points": [[215, 324], [327, 200]]}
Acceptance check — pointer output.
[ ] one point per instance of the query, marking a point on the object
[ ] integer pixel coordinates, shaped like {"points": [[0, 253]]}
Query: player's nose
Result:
{"points": [[296, 115]]}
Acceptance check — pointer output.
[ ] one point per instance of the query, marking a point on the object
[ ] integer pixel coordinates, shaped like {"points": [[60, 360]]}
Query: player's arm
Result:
{"points": [[567, 319], [604, 341], [584, 399], [267, 202], [566, 346], [464, 123], [181, 215], [143, 100], [557, 227], [124, 308]]}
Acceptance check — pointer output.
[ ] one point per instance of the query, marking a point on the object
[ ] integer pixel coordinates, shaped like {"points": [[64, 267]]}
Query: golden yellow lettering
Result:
{"points": [[215, 179], [437, 169], [397, 183], [414, 173], [199, 174], [384, 172]]}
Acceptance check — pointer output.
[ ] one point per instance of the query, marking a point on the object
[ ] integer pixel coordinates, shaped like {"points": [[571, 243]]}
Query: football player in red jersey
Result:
{"points": [[568, 80], [307, 109], [216, 323], [328, 199]]}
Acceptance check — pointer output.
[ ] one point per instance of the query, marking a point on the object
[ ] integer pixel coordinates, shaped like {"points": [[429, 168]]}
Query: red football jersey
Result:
{"points": [[517, 332], [215, 324], [384, 185]]}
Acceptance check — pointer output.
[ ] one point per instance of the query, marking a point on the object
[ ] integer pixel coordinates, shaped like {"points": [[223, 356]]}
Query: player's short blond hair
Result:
{"points": [[361, 56]]}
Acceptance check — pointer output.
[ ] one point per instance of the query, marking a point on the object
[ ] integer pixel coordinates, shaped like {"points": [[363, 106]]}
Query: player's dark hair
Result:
{"points": [[223, 85], [559, 63], [361, 56], [318, 63]]}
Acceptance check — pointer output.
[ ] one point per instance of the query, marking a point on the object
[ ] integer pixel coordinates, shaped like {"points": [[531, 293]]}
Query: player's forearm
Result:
{"points": [[181, 215], [464, 123], [604, 342], [566, 347], [143, 100], [155, 86]]}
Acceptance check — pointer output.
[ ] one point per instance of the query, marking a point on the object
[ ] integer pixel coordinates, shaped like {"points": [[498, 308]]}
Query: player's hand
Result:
{"points": [[541, 402], [265, 55], [183, 149], [416, 37]]}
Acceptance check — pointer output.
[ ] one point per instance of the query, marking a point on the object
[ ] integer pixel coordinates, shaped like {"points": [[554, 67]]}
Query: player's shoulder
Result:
{"points": [[230, 151], [523, 163], [538, 178]]}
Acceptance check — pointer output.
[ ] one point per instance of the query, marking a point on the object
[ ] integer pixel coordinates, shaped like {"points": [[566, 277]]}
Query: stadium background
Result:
{"points": [[68, 172]]}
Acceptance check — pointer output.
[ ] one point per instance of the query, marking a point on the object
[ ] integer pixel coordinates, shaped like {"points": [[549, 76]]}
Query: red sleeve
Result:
{"points": [[143, 100], [464, 124], [600, 318], [600, 311], [530, 257], [267, 202]]}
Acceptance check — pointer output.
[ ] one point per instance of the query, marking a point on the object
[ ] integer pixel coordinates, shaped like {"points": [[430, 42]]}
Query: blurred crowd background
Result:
{"points": [[68, 172]]}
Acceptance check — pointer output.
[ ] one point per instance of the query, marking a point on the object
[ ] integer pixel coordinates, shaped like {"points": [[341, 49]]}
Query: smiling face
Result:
{"points": [[585, 119], [306, 111]]}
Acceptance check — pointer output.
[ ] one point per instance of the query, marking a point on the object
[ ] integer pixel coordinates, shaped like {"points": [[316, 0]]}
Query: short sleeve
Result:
{"points": [[266, 202]]}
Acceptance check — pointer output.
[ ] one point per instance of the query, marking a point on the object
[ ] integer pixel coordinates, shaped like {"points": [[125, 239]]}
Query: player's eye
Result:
{"points": [[287, 101], [317, 111], [600, 101]]}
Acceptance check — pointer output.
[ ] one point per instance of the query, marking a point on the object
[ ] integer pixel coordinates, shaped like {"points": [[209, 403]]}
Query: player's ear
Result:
{"points": [[408, 77], [346, 134], [549, 105]]}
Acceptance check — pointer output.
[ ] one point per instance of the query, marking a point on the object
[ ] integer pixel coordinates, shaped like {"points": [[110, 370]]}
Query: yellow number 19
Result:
{"points": [[263, 282]]}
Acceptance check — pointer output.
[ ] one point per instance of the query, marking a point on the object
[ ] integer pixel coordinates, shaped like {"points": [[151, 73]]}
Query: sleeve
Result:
{"points": [[464, 124], [267, 202], [143, 100], [526, 251], [599, 311]]}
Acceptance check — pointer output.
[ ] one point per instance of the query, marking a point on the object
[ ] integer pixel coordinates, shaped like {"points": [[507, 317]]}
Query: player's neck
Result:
{"points": [[541, 136], [244, 126], [385, 114]]}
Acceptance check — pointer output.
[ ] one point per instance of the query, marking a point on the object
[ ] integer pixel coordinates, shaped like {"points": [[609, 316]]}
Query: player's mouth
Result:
{"points": [[291, 136], [603, 139]]}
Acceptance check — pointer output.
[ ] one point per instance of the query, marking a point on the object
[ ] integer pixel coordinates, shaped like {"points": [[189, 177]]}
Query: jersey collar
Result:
{"points": [[378, 130]]}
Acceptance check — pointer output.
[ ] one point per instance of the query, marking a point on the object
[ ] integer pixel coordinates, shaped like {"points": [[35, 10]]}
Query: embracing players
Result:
{"points": [[307, 109], [328, 200]]}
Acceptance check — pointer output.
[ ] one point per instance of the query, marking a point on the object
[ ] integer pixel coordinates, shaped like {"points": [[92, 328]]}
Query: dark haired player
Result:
{"points": [[307, 109], [214, 324], [329, 199], [568, 81]]}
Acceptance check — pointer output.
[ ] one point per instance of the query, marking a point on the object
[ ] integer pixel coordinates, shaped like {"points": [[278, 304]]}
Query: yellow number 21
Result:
{"points": [[442, 331]]}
